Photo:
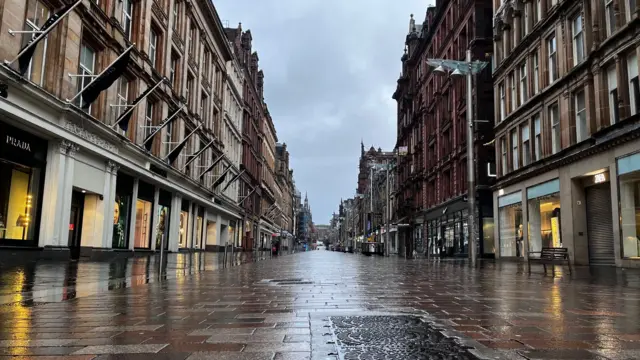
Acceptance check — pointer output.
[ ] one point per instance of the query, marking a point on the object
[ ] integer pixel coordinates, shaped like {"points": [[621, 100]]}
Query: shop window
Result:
{"points": [[162, 231], [510, 225], [19, 193], [121, 221], [629, 188], [634, 85], [184, 221], [37, 15], [143, 223], [543, 203]]}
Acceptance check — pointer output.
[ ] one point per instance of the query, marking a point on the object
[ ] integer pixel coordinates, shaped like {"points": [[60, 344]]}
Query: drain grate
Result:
{"points": [[393, 337], [291, 282]]}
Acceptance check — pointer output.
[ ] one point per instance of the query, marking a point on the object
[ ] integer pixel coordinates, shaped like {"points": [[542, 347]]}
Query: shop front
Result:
{"points": [[510, 226], [144, 216], [543, 216], [629, 195], [22, 165]]}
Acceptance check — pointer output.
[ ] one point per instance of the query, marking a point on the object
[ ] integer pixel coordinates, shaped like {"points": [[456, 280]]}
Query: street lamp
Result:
{"points": [[469, 69]]}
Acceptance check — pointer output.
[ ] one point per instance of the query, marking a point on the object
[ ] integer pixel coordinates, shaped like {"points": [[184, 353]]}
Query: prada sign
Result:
{"points": [[20, 144], [21, 147]]}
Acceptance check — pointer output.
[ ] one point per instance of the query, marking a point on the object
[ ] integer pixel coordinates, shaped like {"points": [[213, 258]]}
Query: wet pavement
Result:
{"points": [[316, 305]]}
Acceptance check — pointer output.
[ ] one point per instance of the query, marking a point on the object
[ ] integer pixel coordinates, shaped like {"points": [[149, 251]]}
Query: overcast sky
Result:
{"points": [[330, 69]]}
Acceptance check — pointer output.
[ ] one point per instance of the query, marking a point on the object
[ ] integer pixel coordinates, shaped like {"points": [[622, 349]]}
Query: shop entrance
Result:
{"points": [[599, 225], [75, 224]]}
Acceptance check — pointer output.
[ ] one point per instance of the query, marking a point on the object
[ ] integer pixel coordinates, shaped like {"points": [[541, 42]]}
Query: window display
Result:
{"points": [[121, 221], [543, 212], [162, 232], [629, 188], [511, 230], [19, 194], [143, 224], [184, 221]]}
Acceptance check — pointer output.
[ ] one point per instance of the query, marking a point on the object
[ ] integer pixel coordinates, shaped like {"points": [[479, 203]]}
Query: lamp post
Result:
{"points": [[469, 69]]}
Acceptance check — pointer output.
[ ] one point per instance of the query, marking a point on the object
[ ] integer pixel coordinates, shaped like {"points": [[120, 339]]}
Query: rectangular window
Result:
{"points": [[153, 47], [514, 149], [610, 17], [86, 69], [612, 82], [537, 10], [122, 96], [127, 18], [168, 137], [513, 94], [192, 39], [523, 82], [526, 145], [527, 15], [148, 119], [634, 86], [578, 40], [581, 117], [503, 102], [189, 94], [554, 122], [503, 150], [173, 71], [536, 73], [175, 15], [537, 133], [37, 15], [631, 8], [553, 59]]}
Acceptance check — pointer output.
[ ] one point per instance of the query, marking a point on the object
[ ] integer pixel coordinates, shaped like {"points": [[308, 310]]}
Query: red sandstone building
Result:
{"points": [[432, 179], [250, 192]]}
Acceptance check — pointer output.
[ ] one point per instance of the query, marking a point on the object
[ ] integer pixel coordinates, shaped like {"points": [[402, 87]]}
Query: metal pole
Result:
{"points": [[388, 215], [161, 254], [471, 166]]}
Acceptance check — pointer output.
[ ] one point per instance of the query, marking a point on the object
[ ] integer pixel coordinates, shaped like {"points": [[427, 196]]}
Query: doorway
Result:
{"points": [[75, 224], [600, 225]]}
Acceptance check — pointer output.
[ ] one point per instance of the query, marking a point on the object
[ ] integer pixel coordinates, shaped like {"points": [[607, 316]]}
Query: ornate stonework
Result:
{"points": [[68, 148], [92, 138]]}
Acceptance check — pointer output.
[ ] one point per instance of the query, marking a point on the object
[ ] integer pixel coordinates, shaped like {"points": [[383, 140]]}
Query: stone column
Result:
{"points": [[155, 218], [67, 190], [203, 238], [53, 194], [595, 23], [517, 28], [109, 197], [600, 91], [174, 223], [190, 227], [132, 212]]}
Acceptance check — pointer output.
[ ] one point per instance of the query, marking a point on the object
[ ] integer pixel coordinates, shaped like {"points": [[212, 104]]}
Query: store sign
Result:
{"points": [[17, 143]]}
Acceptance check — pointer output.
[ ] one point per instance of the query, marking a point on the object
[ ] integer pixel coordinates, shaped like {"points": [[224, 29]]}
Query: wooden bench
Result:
{"points": [[550, 256]]}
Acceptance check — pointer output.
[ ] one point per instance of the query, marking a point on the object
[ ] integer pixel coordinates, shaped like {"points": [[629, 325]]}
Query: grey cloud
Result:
{"points": [[330, 69]]}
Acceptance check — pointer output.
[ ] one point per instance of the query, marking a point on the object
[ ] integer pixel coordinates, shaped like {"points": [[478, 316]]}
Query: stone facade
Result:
{"points": [[567, 99], [432, 129]]}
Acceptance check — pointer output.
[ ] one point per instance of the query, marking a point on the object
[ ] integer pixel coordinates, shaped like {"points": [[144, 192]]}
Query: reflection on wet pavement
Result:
{"points": [[51, 281], [283, 308]]}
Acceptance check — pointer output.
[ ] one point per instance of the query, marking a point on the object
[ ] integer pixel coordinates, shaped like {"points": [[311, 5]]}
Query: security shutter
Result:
{"points": [[599, 225]]}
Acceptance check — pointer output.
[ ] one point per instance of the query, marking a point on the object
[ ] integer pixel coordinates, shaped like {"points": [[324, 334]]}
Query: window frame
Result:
{"points": [[504, 166], [153, 47], [582, 132], [577, 35], [30, 25], [526, 144], [536, 73], [609, 17], [537, 137], [515, 159], [85, 73], [552, 58], [127, 18], [554, 127], [524, 91]]}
